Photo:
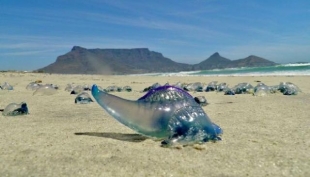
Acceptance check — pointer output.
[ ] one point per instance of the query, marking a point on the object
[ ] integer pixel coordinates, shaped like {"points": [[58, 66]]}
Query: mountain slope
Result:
{"points": [[136, 61], [252, 61], [215, 61], [113, 61]]}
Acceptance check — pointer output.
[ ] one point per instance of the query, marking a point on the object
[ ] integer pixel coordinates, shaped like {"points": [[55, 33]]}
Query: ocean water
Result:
{"points": [[278, 70]]}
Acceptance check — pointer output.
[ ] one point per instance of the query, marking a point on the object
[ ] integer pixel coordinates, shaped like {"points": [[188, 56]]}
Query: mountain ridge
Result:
{"points": [[137, 61]]}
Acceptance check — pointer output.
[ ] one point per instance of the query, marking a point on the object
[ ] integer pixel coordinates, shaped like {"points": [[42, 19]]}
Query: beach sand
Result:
{"points": [[263, 136]]}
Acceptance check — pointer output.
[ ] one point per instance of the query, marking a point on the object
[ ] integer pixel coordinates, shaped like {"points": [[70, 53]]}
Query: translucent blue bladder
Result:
{"points": [[167, 112]]}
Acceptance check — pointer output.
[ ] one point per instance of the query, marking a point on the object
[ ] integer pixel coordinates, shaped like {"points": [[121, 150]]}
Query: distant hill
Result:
{"points": [[136, 61], [252, 61], [215, 61]]}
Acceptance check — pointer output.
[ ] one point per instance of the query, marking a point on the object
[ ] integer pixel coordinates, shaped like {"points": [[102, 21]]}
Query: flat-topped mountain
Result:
{"points": [[136, 61], [113, 61]]}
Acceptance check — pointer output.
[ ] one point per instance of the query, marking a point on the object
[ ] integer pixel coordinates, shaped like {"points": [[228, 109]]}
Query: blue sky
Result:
{"points": [[33, 33]]}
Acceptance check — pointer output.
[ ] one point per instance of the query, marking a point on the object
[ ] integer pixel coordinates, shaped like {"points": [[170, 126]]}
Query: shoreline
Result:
{"points": [[262, 135]]}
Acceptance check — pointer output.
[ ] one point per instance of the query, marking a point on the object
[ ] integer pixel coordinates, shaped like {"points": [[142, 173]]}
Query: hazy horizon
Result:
{"points": [[33, 34]]}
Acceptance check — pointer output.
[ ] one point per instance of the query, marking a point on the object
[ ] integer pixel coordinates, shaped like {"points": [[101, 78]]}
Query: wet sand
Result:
{"points": [[263, 136]]}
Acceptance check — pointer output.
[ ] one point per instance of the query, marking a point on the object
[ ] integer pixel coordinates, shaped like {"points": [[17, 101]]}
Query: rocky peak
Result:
{"points": [[216, 54], [78, 48]]}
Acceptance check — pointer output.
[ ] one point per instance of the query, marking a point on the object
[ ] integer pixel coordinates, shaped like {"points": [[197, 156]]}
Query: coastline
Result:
{"points": [[262, 135], [301, 69]]}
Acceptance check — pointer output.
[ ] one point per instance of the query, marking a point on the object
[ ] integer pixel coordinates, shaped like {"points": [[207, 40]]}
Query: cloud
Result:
{"points": [[138, 22]]}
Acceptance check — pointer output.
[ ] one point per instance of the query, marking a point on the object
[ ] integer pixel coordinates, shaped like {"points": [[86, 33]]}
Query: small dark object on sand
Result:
{"points": [[127, 88], [154, 86], [229, 92], [201, 100], [211, 86], [14, 109], [83, 98]]}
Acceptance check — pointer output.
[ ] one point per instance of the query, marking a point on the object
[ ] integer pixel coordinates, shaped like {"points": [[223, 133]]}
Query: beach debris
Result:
{"points": [[274, 89], [77, 89], [127, 88], [166, 84], [229, 92], [197, 87], [179, 85], [14, 109], [38, 81], [113, 88], [211, 86], [166, 112], [201, 100], [154, 86], [69, 87], [47, 89], [243, 88], [86, 87], [261, 90], [288, 88], [6, 86], [83, 98], [54, 86], [33, 86], [222, 87], [199, 147]]}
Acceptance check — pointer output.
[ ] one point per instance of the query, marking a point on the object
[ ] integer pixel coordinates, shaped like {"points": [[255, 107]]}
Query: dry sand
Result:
{"points": [[263, 136]]}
